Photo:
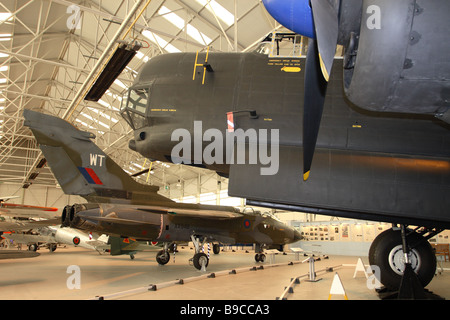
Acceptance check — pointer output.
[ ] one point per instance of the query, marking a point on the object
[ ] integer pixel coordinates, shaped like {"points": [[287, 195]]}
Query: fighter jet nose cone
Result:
{"points": [[297, 236]]}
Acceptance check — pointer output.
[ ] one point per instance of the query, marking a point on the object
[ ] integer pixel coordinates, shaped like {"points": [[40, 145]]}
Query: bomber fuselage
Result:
{"points": [[376, 166]]}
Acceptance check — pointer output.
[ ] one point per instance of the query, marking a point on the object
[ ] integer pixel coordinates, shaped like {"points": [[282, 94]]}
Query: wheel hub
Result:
{"points": [[397, 260]]}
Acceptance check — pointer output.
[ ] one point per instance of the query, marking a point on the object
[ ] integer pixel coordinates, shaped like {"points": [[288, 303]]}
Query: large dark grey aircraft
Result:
{"points": [[119, 206], [393, 167], [394, 55]]}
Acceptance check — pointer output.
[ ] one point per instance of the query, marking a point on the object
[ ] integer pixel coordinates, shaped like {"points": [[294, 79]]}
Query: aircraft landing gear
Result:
{"points": [[200, 259], [405, 259], [216, 248], [259, 256], [163, 256]]}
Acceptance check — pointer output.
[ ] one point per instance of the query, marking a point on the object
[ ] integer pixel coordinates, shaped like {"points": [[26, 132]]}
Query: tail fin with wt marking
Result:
{"points": [[81, 167]]}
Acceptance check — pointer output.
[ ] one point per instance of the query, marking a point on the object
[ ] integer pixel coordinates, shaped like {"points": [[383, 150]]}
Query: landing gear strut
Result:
{"points": [[259, 256], [163, 256], [200, 259], [406, 260], [410, 286]]}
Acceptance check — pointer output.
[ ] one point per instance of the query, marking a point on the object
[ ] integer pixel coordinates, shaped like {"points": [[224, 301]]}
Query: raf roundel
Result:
{"points": [[247, 223]]}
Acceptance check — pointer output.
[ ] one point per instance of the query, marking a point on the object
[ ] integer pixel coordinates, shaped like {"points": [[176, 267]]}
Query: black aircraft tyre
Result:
{"points": [[260, 257], [199, 259], [162, 257], [386, 252]]}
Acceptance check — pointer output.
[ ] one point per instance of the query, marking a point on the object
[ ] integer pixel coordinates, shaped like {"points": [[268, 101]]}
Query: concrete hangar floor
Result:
{"points": [[236, 276]]}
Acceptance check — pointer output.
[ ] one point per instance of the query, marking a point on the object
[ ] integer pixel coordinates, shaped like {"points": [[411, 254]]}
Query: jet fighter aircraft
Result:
{"points": [[119, 206]]}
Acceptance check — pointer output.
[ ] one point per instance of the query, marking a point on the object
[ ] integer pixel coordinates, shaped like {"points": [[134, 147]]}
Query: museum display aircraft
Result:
{"points": [[240, 114], [119, 206], [37, 226], [24, 210], [51, 237]]}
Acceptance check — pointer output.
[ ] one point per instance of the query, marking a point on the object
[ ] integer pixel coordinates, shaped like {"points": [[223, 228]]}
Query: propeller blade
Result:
{"points": [[319, 62], [314, 99], [326, 26]]}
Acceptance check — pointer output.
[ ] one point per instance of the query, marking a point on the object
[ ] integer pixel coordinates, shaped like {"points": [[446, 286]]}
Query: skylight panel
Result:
{"points": [[84, 124], [104, 115], [173, 18], [215, 8], [180, 23], [142, 56], [120, 84], [160, 41], [3, 80], [197, 35], [4, 68], [3, 55], [4, 16], [95, 120], [5, 36]]}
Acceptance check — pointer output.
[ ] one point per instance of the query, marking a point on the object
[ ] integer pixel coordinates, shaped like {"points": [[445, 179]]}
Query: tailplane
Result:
{"points": [[81, 167]]}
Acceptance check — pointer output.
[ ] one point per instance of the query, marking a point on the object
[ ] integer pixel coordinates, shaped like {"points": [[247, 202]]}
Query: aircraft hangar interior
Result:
{"points": [[195, 149]]}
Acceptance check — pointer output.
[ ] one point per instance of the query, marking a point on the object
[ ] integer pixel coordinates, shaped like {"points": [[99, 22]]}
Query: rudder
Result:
{"points": [[79, 165]]}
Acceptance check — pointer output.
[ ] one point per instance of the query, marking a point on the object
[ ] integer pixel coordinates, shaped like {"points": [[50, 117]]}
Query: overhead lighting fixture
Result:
{"points": [[3, 80], [4, 68], [119, 60], [3, 55]]}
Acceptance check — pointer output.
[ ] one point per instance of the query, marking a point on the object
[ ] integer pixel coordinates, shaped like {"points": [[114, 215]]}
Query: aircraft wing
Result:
{"points": [[6, 198], [201, 211], [28, 238], [27, 225], [28, 211], [98, 244], [130, 215]]}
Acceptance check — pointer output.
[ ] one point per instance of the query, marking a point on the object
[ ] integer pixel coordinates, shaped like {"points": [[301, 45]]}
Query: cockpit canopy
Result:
{"points": [[281, 44], [134, 107]]}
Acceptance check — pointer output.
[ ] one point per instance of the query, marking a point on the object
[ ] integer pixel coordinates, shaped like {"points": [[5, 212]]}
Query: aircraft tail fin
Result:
{"points": [[80, 166]]}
